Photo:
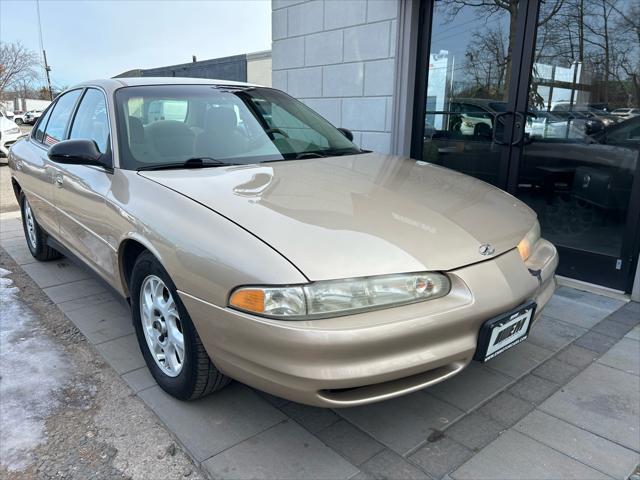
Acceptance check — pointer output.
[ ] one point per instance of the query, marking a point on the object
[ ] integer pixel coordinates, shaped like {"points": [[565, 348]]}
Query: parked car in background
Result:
{"points": [[32, 116], [17, 116], [626, 112], [9, 133], [255, 241]]}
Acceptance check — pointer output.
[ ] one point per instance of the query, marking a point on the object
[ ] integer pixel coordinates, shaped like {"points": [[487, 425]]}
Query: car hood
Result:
{"points": [[359, 215]]}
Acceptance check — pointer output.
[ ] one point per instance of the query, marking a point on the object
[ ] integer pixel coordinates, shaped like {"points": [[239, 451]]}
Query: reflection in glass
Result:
{"points": [[583, 137], [469, 75]]}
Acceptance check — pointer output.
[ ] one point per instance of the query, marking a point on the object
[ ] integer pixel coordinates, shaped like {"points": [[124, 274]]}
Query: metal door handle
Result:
{"points": [[495, 128], [18, 164], [59, 179], [518, 128]]}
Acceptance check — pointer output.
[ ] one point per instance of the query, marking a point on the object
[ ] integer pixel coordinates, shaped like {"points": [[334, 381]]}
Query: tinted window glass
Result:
{"points": [[91, 121], [42, 124], [60, 117]]}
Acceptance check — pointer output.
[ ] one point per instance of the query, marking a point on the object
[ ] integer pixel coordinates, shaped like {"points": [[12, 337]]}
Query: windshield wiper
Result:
{"points": [[195, 162]]}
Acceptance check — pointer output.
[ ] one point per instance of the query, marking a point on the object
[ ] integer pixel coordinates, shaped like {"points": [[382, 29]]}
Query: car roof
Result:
{"points": [[112, 84]]}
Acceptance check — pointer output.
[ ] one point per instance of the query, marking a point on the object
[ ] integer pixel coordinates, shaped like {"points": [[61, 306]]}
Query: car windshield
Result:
{"points": [[162, 125]]}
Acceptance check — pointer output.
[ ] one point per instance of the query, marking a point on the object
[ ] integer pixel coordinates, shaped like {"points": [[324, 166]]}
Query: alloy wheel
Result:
{"points": [[161, 325]]}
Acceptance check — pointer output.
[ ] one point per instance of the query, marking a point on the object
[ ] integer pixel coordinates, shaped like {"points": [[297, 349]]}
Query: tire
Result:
{"points": [[186, 373], [19, 122], [35, 236]]}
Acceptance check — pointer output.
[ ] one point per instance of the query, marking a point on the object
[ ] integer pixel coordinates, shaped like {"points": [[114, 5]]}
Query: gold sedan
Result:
{"points": [[256, 241]]}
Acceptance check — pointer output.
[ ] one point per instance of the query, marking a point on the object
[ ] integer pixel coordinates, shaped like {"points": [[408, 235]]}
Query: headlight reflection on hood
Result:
{"points": [[334, 298]]}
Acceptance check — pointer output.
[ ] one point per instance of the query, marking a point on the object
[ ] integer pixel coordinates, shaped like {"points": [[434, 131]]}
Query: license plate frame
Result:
{"points": [[519, 319]]}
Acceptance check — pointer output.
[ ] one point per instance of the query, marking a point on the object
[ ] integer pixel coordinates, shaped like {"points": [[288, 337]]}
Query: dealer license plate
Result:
{"points": [[503, 332]]}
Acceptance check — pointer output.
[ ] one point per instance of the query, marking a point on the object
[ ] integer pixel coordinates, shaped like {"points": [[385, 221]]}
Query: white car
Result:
{"points": [[9, 133], [626, 112], [32, 116], [17, 117]]}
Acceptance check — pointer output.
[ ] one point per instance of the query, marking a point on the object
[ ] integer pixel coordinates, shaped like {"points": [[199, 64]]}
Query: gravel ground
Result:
{"points": [[65, 413]]}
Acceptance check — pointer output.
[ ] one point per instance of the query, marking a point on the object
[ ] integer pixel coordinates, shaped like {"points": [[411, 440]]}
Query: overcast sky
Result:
{"points": [[92, 39]]}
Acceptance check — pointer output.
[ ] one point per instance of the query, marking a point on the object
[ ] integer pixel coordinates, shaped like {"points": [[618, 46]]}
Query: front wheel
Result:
{"points": [[19, 122], [168, 339]]}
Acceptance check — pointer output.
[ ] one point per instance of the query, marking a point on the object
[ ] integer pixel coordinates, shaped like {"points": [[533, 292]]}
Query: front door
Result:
{"points": [[524, 95]]}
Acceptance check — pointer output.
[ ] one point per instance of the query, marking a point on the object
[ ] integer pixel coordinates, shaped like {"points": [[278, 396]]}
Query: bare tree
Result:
{"points": [[18, 66]]}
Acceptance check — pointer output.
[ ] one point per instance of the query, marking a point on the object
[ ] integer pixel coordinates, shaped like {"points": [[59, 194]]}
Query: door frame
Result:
{"points": [[588, 266]]}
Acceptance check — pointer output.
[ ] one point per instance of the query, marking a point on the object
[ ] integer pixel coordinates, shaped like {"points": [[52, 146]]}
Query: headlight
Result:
{"points": [[525, 247], [14, 130], [339, 297]]}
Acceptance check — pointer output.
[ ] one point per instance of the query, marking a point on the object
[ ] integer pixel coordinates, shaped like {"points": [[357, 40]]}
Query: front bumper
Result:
{"points": [[373, 356]]}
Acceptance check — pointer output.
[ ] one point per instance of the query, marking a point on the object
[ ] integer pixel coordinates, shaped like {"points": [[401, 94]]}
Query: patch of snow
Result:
{"points": [[33, 369]]}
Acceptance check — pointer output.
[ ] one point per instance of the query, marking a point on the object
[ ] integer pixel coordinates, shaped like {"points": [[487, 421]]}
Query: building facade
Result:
{"points": [[534, 97], [250, 67]]}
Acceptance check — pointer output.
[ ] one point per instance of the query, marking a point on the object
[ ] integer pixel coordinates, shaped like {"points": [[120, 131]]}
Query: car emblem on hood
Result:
{"points": [[486, 249]]}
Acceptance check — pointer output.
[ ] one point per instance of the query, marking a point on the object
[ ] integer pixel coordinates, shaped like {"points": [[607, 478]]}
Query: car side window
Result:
{"points": [[42, 124], [91, 121], [59, 119]]}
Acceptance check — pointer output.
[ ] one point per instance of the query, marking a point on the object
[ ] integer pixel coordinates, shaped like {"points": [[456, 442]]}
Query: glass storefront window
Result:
{"points": [[582, 144]]}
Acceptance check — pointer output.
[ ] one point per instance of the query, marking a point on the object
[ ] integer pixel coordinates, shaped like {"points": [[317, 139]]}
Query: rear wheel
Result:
{"points": [[36, 237], [19, 122], [168, 339]]}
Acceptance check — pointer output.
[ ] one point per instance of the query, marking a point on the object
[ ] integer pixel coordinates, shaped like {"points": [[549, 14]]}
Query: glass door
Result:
{"points": [[542, 99], [467, 118], [578, 163]]}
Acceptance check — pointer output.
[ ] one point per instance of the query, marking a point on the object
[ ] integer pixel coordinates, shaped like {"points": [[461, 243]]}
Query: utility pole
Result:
{"points": [[47, 68]]}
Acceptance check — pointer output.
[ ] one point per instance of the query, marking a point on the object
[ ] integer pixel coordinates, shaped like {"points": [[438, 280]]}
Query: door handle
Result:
{"points": [[59, 179], [18, 164], [518, 128], [495, 128]]}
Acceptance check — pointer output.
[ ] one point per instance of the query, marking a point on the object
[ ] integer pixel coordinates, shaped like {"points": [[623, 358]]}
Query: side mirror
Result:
{"points": [[347, 133], [76, 152]]}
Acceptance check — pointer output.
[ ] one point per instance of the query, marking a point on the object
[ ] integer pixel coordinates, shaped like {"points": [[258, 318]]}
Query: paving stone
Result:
{"points": [[629, 314], [634, 334], [602, 400], [624, 355], [83, 302], [20, 254], [104, 322], [47, 274], [518, 360], [139, 379], [441, 457], [595, 341], [474, 431], [576, 312], [553, 334], [601, 302], [388, 465], [576, 356], [525, 461], [402, 423], [286, 451], [533, 389], [350, 442], [272, 399], [579, 444], [474, 385], [123, 354], [556, 371], [74, 290], [612, 328], [506, 409], [313, 419], [214, 423]]}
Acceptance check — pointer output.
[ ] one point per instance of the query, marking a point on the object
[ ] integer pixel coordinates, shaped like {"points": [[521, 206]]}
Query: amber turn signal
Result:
{"points": [[248, 299]]}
